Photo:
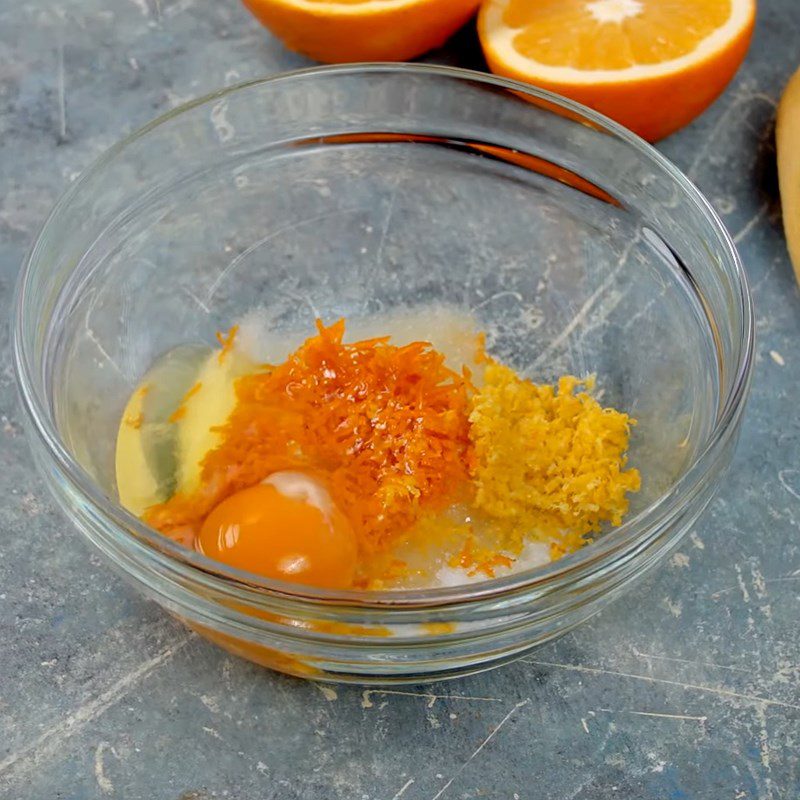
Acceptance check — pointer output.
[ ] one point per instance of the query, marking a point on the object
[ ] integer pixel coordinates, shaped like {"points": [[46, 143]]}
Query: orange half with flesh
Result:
{"points": [[652, 65]]}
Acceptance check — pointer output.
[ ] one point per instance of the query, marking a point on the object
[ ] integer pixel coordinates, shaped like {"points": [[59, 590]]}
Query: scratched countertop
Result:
{"points": [[689, 687]]}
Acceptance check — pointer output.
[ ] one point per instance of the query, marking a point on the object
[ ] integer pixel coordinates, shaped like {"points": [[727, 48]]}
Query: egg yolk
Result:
{"points": [[295, 535]]}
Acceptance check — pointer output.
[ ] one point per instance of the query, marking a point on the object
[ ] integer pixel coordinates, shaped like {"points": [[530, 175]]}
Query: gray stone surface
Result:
{"points": [[688, 688]]}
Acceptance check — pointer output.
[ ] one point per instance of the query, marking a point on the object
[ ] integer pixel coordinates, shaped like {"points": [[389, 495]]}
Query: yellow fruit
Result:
{"points": [[787, 137], [652, 65], [337, 31]]}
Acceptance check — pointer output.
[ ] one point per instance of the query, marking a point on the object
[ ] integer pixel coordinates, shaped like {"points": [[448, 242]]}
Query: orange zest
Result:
{"points": [[409, 454], [652, 65], [338, 31], [476, 559], [180, 412], [226, 342], [385, 427], [135, 422], [570, 476]]}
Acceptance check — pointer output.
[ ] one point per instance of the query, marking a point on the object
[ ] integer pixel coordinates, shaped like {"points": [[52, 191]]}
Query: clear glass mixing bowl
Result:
{"points": [[346, 192]]}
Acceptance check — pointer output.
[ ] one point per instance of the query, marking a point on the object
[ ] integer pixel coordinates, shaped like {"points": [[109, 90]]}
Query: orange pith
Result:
{"points": [[652, 65]]}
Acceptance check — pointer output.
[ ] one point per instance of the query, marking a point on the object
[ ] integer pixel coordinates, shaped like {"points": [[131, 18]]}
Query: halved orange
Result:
{"points": [[362, 30], [652, 65]]}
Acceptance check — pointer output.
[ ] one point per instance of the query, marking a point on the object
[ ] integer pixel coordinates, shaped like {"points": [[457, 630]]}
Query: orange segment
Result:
{"points": [[652, 65], [337, 31]]}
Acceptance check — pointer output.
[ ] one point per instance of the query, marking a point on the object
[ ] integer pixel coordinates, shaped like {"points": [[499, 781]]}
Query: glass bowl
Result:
{"points": [[351, 191]]}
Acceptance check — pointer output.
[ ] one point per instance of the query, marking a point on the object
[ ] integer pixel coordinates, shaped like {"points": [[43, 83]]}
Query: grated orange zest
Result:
{"points": [[180, 412], [386, 427], [549, 463], [226, 342], [401, 441], [135, 422], [479, 559]]}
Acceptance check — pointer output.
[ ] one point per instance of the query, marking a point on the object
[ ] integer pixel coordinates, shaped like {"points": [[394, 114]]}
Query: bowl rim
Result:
{"points": [[634, 532]]}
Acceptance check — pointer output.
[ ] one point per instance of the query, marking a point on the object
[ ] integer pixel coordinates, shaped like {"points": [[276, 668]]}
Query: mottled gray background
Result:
{"points": [[688, 688]]}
